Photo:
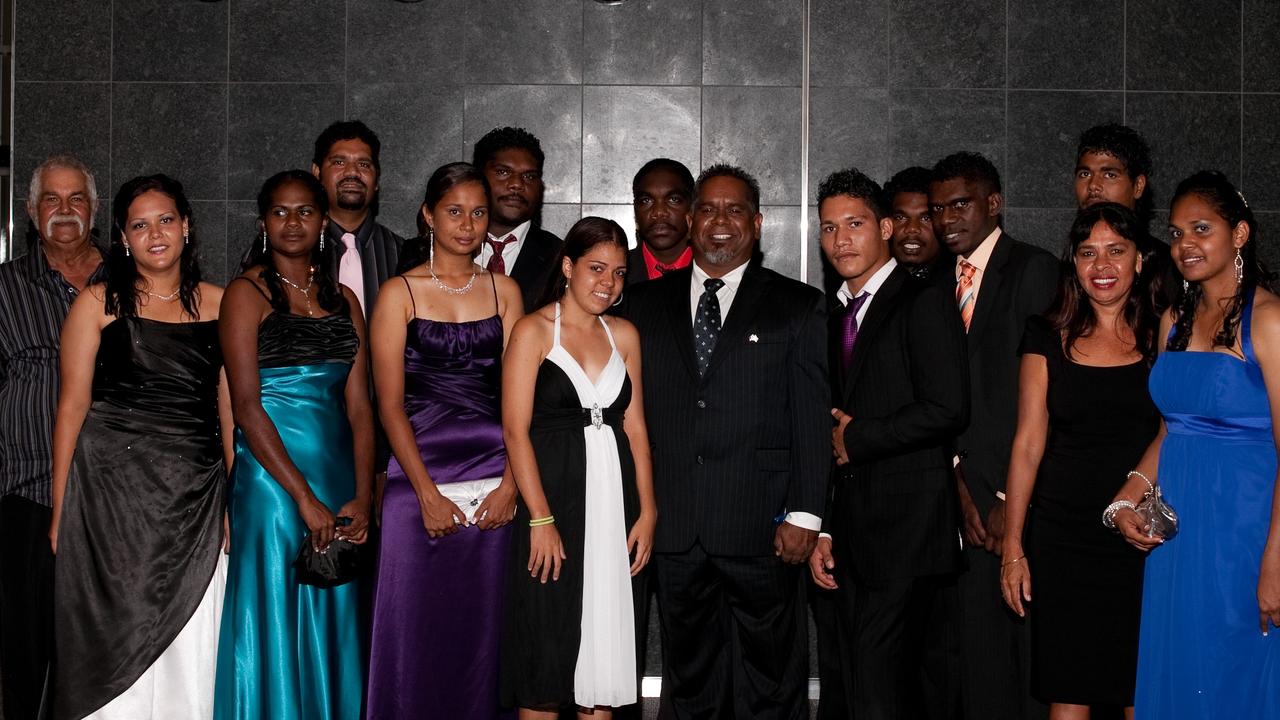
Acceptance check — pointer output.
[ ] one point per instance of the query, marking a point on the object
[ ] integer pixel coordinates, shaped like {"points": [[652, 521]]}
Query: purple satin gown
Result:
{"points": [[438, 602]]}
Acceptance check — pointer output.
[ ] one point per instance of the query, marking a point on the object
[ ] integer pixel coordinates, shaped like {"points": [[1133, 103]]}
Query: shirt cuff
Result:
{"points": [[805, 520], [824, 535], [955, 461]]}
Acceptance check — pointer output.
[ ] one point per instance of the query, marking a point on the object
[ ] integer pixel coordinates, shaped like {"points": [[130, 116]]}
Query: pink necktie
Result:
{"points": [[350, 273]]}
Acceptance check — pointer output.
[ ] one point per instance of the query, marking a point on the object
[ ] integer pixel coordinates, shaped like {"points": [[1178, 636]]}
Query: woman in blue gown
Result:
{"points": [[296, 363], [1211, 595]]}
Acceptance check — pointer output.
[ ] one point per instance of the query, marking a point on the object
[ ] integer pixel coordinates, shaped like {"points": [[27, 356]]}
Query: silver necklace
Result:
{"points": [[306, 291], [453, 290], [166, 298]]}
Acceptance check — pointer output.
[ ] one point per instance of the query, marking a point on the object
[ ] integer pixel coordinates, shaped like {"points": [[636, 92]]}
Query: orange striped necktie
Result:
{"points": [[966, 294]]}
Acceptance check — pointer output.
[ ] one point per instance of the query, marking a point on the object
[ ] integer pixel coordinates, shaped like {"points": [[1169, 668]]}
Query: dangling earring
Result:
{"points": [[431, 248], [1185, 286], [264, 241], [322, 241], [126, 249], [1239, 267], [186, 237]]}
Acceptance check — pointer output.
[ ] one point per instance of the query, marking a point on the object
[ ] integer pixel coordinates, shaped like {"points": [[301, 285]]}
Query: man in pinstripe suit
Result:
{"points": [[736, 395]]}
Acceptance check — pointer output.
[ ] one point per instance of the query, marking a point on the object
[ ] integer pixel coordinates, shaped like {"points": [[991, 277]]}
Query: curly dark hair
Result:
{"points": [[1126, 145], [346, 130], [675, 167], [122, 290], [970, 166], [505, 138], [733, 171], [1071, 313], [1217, 191], [328, 293], [445, 178], [914, 179], [854, 184]]}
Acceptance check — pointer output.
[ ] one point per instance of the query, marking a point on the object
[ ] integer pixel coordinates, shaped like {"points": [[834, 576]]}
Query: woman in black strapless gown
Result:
{"points": [[139, 475]]}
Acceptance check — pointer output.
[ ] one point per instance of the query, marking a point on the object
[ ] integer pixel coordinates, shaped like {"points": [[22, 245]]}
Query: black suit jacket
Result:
{"points": [[637, 271], [735, 449], [1020, 281], [893, 511], [379, 255], [535, 265]]}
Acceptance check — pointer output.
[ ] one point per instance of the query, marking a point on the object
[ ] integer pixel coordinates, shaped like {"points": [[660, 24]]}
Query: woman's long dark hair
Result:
{"points": [[1072, 314], [328, 293], [445, 178], [1217, 191], [122, 291], [584, 235]]}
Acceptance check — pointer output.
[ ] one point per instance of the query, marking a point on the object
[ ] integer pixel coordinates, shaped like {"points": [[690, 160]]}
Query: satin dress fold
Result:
{"points": [[290, 651], [1201, 652], [438, 601], [141, 530]]}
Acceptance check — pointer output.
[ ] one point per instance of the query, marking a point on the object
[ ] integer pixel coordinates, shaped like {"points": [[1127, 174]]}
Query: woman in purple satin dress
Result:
{"points": [[438, 334]]}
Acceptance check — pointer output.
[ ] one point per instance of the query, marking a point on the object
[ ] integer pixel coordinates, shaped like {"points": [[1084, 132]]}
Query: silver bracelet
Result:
{"points": [[1109, 515], [1151, 487]]}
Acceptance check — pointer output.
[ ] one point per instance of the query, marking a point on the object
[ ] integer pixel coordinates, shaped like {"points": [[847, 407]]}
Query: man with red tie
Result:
{"points": [[511, 159], [663, 193]]}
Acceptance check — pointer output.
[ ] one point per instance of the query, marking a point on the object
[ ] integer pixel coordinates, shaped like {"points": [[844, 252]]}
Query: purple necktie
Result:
{"points": [[850, 334]]}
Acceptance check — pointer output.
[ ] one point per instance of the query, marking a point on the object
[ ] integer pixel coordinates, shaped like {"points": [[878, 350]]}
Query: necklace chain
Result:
{"points": [[453, 290], [165, 298], [306, 291]]}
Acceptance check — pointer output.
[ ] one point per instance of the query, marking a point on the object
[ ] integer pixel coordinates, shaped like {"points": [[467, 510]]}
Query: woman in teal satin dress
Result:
{"points": [[295, 356]]}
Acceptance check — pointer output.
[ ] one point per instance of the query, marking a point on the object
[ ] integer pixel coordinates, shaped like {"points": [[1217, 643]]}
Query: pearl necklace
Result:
{"points": [[306, 291], [453, 290]]}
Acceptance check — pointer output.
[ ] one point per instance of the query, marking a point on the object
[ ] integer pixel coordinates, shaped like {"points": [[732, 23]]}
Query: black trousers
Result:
{"points": [[733, 636], [833, 678], [995, 647], [26, 605]]}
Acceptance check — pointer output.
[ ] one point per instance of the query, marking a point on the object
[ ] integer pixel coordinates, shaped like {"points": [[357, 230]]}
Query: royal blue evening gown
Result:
{"points": [[1201, 653], [290, 651]]}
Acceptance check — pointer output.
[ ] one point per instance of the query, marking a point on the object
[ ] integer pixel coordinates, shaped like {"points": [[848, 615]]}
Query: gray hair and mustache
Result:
{"points": [[60, 218], [70, 162]]}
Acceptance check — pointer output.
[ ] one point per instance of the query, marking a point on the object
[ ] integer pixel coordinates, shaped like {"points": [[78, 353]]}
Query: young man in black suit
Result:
{"points": [[900, 372], [662, 191], [913, 243], [512, 159], [736, 394], [998, 283]]}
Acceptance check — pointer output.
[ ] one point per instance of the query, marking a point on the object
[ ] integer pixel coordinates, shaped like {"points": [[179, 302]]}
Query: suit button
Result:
{"points": [[700, 461], [702, 403]]}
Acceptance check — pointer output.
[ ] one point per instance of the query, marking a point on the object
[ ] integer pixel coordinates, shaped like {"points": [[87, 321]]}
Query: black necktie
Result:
{"points": [[706, 323]]}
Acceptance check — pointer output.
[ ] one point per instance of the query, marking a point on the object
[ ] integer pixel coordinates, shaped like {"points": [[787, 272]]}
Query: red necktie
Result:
{"points": [[496, 264]]}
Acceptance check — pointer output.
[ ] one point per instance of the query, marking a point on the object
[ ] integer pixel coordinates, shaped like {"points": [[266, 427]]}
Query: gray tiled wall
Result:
{"points": [[221, 94]]}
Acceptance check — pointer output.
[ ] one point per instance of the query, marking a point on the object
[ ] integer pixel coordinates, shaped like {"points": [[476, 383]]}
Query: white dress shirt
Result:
{"points": [[725, 296], [510, 252]]}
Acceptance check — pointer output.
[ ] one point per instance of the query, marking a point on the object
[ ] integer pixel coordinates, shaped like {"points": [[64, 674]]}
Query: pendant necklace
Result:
{"points": [[306, 291]]}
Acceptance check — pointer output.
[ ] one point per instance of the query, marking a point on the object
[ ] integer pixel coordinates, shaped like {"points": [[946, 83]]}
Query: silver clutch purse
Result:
{"points": [[1158, 515]]}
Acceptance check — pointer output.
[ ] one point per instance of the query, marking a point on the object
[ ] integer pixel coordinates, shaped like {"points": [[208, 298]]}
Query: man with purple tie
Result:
{"points": [[901, 384]]}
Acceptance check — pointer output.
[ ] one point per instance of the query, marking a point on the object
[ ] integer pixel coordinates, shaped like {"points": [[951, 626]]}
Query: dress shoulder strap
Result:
{"points": [[494, 284], [609, 334], [555, 335], [254, 285], [1246, 327], [412, 302]]}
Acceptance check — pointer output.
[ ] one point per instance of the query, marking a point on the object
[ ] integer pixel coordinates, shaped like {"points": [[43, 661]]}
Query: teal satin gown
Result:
{"points": [[290, 651]]}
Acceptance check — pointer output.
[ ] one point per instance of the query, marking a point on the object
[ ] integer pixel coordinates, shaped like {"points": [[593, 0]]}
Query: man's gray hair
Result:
{"points": [[62, 160]]}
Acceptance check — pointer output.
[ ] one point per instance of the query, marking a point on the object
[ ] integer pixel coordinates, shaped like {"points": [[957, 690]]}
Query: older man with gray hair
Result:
{"points": [[36, 291]]}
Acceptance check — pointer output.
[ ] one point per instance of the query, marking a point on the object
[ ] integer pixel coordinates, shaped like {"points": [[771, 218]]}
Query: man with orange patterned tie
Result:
{"points": [[511, 160], [998, 283]]}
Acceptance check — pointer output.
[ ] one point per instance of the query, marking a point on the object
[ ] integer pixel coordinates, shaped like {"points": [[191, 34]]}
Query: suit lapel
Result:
{"points": [[680, 321], [882, 304], [992, 277], [534, 256], [743, 310]]}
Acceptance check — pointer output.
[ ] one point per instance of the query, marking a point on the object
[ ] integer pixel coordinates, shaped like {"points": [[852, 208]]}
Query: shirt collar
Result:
{"points": [[731, 279], [651, 262], [873, 283], [981, 255], [520, 231], [362, 233], [37, 265]]}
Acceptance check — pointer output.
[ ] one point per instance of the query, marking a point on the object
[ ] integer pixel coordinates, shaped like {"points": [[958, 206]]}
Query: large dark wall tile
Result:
{"points": [[288, 40], [166, 40], [420, 127], [242, 229], [62, 40], [1260, 180], [848, 127], [624, 127], [553, 113], [752, 43], [951, 45], [848, 45], [273, 127], [558, 218], [1044, 127], [925, 125], [1044, 228], [1066, 45], [624, 215], [1261, 50], [56, 117], [176, 129], [401, 217], [209, 220], [650, 42], [1269, 250], [1183, 45], [405, 42], [1187, 132], [780, 239], [757, 128], [532, 41]]}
